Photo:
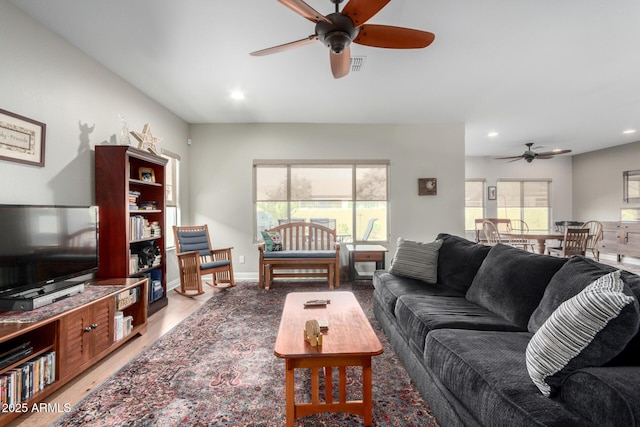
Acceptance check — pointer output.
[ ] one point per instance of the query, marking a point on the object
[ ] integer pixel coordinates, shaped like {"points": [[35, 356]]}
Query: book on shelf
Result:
{"points": [[23, 382], [133, 263], [128, 325], [118, 326], [122, 325]]}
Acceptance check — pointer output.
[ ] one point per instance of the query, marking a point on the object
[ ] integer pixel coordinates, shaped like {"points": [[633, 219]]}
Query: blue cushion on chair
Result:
{"points": [[214, 264], [300, 254], [194, 241]]}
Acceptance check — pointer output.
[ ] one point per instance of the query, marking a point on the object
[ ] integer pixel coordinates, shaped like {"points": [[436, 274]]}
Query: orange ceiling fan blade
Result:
{"points": [[360, 11], [340, 64], [393, 37], [303, 9], [286, 46]]}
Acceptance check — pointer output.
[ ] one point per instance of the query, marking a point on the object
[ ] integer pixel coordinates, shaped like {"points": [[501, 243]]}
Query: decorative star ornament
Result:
{"points": [[146, 141]]}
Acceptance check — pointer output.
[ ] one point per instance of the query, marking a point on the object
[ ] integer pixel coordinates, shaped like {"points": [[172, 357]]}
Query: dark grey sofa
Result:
{"points": [[463, 340]]}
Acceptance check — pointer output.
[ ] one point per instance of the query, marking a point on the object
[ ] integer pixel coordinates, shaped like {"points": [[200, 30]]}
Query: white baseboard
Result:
{"points": [[246, 276]]}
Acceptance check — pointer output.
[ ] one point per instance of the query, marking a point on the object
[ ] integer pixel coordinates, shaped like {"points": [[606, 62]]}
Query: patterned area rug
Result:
{"points": [[217, 368]]}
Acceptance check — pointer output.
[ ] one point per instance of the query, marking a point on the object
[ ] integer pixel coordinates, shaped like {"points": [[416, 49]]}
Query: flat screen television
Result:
{"points": [[43, 247]]}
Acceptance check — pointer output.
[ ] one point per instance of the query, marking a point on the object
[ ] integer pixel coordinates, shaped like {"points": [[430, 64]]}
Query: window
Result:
{"points": [[528, 201], [473, 202], [172, 210], [348, 196]]}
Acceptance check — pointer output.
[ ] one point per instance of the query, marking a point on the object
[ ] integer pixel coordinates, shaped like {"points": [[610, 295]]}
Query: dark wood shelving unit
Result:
{"points": [[117, 174], [79, 337]]}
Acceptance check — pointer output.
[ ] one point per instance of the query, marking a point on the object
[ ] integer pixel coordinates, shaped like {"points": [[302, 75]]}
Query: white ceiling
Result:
{"points": [[559, 73]]}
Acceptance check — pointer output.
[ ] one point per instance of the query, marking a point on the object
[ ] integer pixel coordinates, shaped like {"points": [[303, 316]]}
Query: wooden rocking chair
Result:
{"points": [[197, 259]]}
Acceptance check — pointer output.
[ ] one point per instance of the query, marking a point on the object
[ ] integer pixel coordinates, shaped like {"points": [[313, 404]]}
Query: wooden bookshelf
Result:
{"points": [[122, 171]]}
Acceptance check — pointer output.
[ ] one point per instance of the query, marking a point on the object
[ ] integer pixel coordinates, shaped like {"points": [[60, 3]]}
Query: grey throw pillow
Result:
{"points": [[575, 275], [587, 330], [511, 282], [416, 260]]}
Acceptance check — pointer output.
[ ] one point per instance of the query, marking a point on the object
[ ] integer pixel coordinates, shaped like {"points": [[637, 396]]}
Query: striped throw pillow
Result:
{"points": [[416, 260], [567, 340]]}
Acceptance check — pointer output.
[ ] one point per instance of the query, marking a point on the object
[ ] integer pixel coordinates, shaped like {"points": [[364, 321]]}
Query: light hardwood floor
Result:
{"points": [[161, 322]]}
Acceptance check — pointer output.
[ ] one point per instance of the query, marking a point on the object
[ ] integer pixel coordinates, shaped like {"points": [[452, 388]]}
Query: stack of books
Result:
{"points": [[155, 229], [133, 200], [122, 325]]}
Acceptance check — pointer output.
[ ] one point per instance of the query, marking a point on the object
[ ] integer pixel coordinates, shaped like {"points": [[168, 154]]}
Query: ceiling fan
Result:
{"points": [[339, 29], [529, 154]]}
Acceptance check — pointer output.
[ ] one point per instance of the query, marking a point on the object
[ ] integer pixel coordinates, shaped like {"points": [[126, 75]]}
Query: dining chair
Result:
{"points": [[574, 243], [519, 226], [491, 233], [196, 258], [595, 234], [502, 225]]}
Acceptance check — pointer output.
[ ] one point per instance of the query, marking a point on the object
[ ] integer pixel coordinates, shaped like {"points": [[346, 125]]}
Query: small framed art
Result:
{"points": [[21, 139], [147, 175], [427, 186], [491, 192]]}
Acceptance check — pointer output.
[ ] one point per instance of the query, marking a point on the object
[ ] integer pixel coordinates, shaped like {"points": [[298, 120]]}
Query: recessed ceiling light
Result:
{"points": [[492, 134], [237, 95], [628, 131]]}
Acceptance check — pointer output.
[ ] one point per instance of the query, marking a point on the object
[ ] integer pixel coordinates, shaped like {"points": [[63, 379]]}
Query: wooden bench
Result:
{"points": [[305, 246]]}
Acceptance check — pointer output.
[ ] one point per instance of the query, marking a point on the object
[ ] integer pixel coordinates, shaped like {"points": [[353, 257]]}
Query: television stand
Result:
{"points": [[68, 341]]}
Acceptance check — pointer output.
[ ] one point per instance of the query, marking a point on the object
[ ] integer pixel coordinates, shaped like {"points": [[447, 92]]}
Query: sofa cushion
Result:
{"points": [[486, 371], [388, 288], [417, 315], [416, 260], [511, 282], [459, 261], [629, 356], [586, 330], [570, 280], [585, 390]]}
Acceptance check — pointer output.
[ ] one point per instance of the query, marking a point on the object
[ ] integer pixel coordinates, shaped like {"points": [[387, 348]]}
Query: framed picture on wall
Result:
{"points": [[21, 139], [427, 186], [491, 192]]}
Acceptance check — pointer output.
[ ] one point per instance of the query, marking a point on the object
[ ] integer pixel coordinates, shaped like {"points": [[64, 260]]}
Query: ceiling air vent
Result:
{"points": [[357, 62]]}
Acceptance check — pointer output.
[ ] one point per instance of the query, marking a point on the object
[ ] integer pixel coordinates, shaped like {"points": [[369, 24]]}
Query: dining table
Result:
{"points": [[540, 236]]}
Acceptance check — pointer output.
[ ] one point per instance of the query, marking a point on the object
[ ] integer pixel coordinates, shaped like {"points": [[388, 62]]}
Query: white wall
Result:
{"points": [[46, 79], [221, 174], [559, 170], [597, 175]]}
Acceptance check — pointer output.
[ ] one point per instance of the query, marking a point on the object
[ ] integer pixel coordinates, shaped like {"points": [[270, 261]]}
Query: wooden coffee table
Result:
{"points": [[349, 341]]}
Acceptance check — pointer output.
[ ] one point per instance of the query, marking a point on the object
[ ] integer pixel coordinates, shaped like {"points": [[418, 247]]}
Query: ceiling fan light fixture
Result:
{"points": [[337, 41]]}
